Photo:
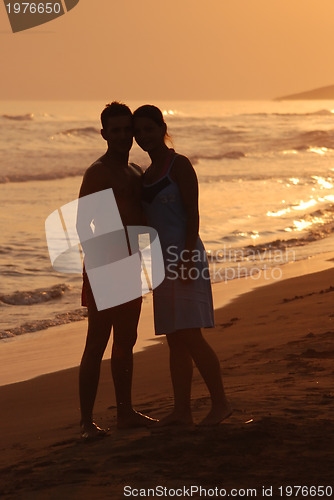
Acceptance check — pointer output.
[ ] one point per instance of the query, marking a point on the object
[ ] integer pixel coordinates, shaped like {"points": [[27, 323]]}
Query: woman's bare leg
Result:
{"points": [[187, 345], [181, 368], [208, 365]]}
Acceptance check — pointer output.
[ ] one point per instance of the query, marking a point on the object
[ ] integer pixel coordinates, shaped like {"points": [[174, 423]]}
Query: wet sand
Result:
{"points": [[276, 349]]}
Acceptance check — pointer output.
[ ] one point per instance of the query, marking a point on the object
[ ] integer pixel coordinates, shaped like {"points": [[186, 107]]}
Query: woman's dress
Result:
{"points": [[178, 304]]}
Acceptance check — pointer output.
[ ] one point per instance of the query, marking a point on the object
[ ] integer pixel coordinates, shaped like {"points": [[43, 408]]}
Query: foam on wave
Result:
{"points": [[47, 176], [34, 326], [21, 118], [80, 131], [28, 298], [230, 155], [316, 234]]}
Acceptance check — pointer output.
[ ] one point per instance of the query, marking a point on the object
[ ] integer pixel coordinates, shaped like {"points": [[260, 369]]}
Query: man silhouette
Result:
{"points": [[112, 171]]}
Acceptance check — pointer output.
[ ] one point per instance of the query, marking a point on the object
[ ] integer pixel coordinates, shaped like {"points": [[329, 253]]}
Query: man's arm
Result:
{"points": [[92, 181], [138, 187]]}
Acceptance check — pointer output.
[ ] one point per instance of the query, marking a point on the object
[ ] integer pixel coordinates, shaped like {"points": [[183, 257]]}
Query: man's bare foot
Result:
{"points": [[135, 419], [175, 419], [216, 416], [91, 431]]}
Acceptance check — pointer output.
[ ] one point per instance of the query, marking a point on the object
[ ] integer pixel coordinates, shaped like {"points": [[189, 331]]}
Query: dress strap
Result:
{"points": [[135, 167], [171, 163], [166, 166]]}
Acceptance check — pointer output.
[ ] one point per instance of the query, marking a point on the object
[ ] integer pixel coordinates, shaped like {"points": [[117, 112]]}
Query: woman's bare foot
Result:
{"points": [[135, 419], [176, 418], [91, 431], [217, 415]]}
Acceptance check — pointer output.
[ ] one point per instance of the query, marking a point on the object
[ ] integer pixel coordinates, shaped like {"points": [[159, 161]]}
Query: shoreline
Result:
{"points": [[60, 347], [275, 346]]}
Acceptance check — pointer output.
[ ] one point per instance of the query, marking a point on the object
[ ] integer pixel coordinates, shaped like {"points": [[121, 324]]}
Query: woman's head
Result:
{"points": [[150, 128]]}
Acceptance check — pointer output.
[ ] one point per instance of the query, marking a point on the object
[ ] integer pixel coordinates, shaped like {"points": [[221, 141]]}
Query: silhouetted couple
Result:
{"points": [[165, 197]]}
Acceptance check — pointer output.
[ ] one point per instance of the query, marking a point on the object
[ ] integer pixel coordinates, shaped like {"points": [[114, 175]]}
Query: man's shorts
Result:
{"points": [[87, 297]]}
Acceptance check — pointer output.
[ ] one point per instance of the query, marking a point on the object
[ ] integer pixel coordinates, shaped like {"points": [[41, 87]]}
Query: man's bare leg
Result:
{"points": [[125, 335], [99, 327]]}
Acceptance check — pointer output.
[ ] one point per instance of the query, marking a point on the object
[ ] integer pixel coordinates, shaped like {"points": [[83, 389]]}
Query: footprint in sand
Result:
{"points": [[312, 353], [229, 323]]}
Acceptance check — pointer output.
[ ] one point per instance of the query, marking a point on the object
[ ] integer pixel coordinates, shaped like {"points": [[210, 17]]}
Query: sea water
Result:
{"points": [[265, 172]]}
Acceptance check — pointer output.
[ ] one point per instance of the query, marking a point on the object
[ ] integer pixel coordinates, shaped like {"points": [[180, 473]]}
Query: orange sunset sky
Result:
{"points": [[178, 49]]}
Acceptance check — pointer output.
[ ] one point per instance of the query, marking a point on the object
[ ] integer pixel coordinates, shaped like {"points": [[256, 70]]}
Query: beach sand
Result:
{"points": [[275, 344]]}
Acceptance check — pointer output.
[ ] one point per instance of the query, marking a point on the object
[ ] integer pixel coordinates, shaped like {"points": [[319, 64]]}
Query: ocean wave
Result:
{"points": [[284, 244], [316, 135], [22, 118], [271, 250], [179, 118], [81, 131], [27, 298], [210, 179], [307, 140], [4, 250], [322, 226], [47, 176], [320, 112], [229, 155], [34, 326], [240, 177], [281, 244]]}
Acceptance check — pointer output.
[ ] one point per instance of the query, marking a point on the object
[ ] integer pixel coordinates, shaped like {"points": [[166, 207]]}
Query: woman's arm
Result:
{"points": [[184, 175]]}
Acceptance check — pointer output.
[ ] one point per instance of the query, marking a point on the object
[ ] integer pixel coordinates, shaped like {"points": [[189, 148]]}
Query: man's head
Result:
{"points": [[114, 109], [117, 127]]}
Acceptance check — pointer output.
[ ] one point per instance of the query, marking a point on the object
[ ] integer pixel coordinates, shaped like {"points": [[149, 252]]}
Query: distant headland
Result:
{"points": [[325, 93]]}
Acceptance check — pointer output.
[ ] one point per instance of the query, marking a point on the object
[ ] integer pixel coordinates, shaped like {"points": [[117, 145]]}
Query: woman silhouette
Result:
{"points": [[183, 302]]}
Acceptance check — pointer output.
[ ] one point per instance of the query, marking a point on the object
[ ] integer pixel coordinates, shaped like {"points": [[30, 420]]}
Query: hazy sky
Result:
{"points": [[178, 49]]}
